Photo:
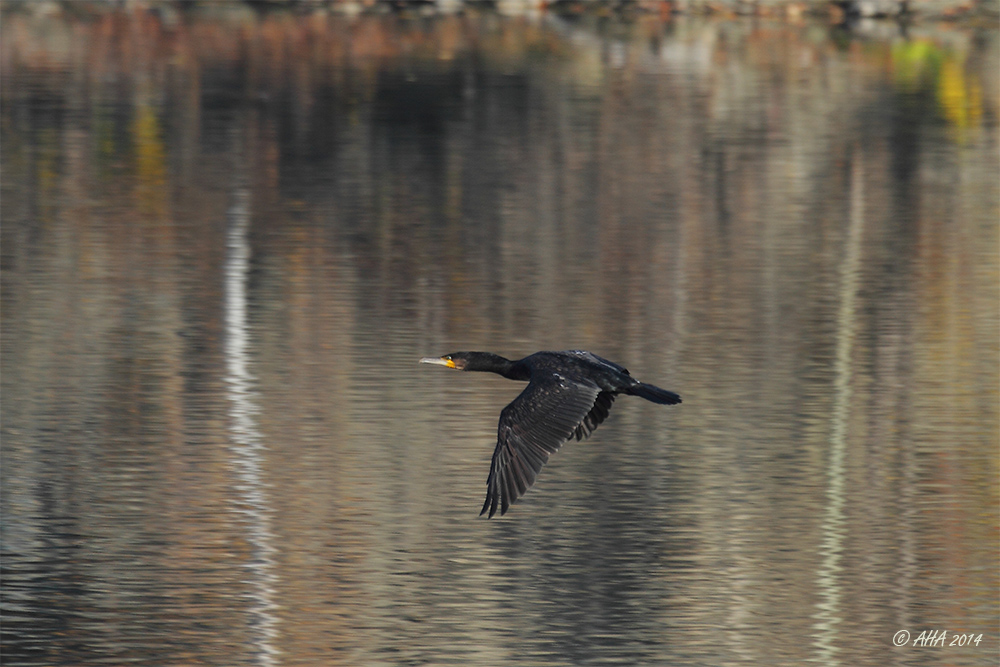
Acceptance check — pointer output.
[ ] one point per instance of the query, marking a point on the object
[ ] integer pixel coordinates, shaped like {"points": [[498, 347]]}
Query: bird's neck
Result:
{"points": [[494, 363]]}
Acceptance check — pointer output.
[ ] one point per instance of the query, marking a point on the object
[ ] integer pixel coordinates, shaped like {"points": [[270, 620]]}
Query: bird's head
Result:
{"points": [[456, 360], [470, 361]]}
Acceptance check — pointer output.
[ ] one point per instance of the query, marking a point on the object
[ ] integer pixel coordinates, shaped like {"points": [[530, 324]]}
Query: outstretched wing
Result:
{"points": [[597, 414], [546, 414]]}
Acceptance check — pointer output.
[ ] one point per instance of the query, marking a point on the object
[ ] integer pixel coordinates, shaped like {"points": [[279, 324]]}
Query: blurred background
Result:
{"points": [[230, 230]]}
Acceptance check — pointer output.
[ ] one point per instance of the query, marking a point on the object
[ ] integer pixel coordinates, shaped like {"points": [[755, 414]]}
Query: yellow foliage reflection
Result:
{"points": [[922, 65], [960, 97], [150, 162]]}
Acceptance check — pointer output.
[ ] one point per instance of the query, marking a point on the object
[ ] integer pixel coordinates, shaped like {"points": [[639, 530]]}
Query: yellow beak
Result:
{"points": [[440, 361]]}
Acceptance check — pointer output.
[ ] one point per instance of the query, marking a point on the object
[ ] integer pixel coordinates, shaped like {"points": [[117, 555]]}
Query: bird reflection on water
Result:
{"points": [[568, 395]]}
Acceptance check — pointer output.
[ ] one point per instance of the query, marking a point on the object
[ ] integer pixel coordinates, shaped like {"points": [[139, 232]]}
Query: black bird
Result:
{"points": [[568, 395]]}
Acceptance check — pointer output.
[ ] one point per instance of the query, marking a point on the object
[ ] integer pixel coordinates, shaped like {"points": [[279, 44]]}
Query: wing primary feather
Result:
{"points": [[491, 497], [505, 494], [512, 474], [510, 489], [520, 475]]}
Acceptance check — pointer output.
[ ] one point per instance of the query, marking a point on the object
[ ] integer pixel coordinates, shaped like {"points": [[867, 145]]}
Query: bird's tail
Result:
{"points": [[654, 394]]}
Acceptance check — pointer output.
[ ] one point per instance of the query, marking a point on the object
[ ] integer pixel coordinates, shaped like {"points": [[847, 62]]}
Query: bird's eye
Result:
{"points": [[448, 357]]}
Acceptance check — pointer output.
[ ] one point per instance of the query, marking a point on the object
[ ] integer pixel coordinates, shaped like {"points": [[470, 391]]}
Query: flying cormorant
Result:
{"points": [[568, 395]]}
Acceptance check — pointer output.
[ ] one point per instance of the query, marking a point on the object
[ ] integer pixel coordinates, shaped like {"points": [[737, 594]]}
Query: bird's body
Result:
{"points": [[568, 395]]}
